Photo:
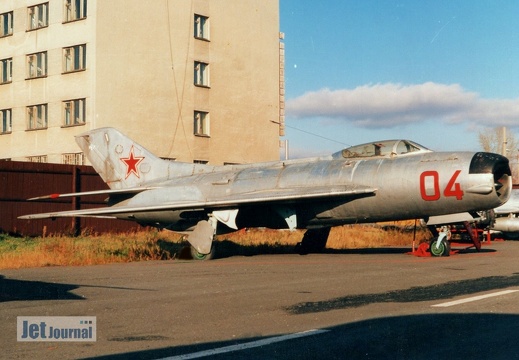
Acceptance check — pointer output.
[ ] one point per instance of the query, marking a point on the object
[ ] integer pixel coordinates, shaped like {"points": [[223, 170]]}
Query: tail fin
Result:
{"points": [[121, 162]]}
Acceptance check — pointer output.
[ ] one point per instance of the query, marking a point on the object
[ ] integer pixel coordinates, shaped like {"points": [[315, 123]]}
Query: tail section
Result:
{"points": [[122, 163]]}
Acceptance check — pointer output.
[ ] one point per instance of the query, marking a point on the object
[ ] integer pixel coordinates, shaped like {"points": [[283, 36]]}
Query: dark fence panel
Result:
{"points": [[22, 180]]}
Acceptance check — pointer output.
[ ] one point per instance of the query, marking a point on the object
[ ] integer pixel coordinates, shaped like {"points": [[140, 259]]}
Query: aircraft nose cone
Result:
{"points": [[490, 163]]}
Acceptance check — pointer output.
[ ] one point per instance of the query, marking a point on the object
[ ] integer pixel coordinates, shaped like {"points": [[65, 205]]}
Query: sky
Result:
{"points": [[435, 72]]}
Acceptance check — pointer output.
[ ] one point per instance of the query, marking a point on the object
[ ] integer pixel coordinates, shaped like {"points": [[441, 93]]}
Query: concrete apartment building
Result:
{"points": [[191, 80]]}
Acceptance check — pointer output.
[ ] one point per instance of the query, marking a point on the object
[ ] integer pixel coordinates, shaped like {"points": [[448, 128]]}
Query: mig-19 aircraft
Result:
{"points": [[374, 182]]}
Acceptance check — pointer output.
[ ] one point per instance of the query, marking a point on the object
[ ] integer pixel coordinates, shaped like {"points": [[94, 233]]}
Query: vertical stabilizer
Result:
{"points": [[121, 162]]}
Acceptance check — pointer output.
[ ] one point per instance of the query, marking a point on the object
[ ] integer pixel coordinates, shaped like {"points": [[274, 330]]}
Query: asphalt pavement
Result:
{"points": [[356, 304]]}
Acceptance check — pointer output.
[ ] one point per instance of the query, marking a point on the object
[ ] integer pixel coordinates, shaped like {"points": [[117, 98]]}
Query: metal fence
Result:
{"points": [[22, 180]]}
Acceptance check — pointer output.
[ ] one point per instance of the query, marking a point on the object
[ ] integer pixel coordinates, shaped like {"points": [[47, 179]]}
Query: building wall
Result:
{"points": [[51, 89], [139, 78]]}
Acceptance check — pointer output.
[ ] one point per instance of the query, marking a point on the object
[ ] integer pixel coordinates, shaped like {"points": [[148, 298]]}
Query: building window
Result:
{"points": [[201, 74], [74, 58], [201, 27], [38, 16], [37, 117], [203, 162], [75, 10], [73, 159], [74, 112], [6, 21], [37, 65], [37, 159], [6, 118], [201, 123], [6, 66]]}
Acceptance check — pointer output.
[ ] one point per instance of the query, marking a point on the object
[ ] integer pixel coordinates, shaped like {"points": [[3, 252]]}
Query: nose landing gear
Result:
{"points": [[440, 245]]}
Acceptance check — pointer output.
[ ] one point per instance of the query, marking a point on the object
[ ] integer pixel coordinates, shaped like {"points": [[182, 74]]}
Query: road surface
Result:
{"points": [[365, 304]]}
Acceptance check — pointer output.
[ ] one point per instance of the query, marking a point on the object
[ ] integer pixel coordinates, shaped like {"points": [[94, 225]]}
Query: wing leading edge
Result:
{"points": [[266, 196]]}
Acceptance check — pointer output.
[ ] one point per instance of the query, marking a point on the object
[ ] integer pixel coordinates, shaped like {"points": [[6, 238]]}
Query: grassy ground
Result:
{"points": [[16, 252]]}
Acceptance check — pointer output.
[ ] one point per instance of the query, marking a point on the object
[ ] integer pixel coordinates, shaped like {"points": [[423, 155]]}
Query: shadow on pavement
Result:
{"points": [[429, 336], [447, 290], [24, 290], [14, 290]]}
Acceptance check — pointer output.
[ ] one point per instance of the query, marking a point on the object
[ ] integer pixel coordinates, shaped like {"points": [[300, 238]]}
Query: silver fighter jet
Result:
{"points": [[506, 217], [379, 181]]}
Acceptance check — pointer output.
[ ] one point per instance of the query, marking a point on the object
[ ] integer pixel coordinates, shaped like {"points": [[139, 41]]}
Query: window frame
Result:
{"points": [[73, 110], [201, 27], [75, 62], [37, 16], [38, 159], [201, 74], [38, 121], [74, 10], [6, 24], [6, 71], [201, 123], [73, 158], [6, 118], [33, 71]]}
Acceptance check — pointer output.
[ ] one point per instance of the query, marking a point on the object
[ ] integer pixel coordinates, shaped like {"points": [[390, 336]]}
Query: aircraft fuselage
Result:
{"points": [[408, 187]]}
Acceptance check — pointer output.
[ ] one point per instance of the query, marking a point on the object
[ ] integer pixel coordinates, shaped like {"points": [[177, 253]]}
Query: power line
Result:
{"points": [[313, 134]]}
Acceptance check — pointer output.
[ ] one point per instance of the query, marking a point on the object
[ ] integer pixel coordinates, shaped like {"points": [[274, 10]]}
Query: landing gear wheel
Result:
{"points": [[444, 249], [197, 256]]}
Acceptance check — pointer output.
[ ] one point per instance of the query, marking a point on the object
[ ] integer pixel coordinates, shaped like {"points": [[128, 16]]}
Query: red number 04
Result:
{"points": [[453, 188]]}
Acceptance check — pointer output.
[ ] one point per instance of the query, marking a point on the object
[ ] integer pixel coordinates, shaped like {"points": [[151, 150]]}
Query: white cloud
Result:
{"points": [[389, 105]]}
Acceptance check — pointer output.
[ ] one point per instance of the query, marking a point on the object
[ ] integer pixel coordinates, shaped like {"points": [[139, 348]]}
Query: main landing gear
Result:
{"points": [[199, 256], [201, 240]]}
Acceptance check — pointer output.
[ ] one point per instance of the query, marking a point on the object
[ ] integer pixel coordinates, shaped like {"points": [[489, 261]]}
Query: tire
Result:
{"points": [[443, 250], [447, 251], [197, 256]]}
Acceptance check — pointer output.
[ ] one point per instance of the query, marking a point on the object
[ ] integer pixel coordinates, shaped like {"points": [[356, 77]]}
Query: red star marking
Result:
{"points": [[131, 163]]}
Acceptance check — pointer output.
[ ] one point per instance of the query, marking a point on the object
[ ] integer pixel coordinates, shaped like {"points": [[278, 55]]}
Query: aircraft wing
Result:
{"points": [[511, 206], [265, 196], [450, 218], [508, 208]]}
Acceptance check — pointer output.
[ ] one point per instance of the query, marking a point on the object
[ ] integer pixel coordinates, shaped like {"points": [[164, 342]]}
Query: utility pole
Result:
{"points": [[284, 145], [503, 144]]}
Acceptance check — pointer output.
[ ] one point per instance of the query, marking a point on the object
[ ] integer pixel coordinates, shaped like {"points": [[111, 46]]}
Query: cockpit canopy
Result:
{"points": [[386, 148]]}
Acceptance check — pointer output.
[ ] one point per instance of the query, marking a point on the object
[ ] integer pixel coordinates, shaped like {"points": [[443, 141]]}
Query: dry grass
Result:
{"points": [[86, 250], [160, 245], [364, 236]]}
